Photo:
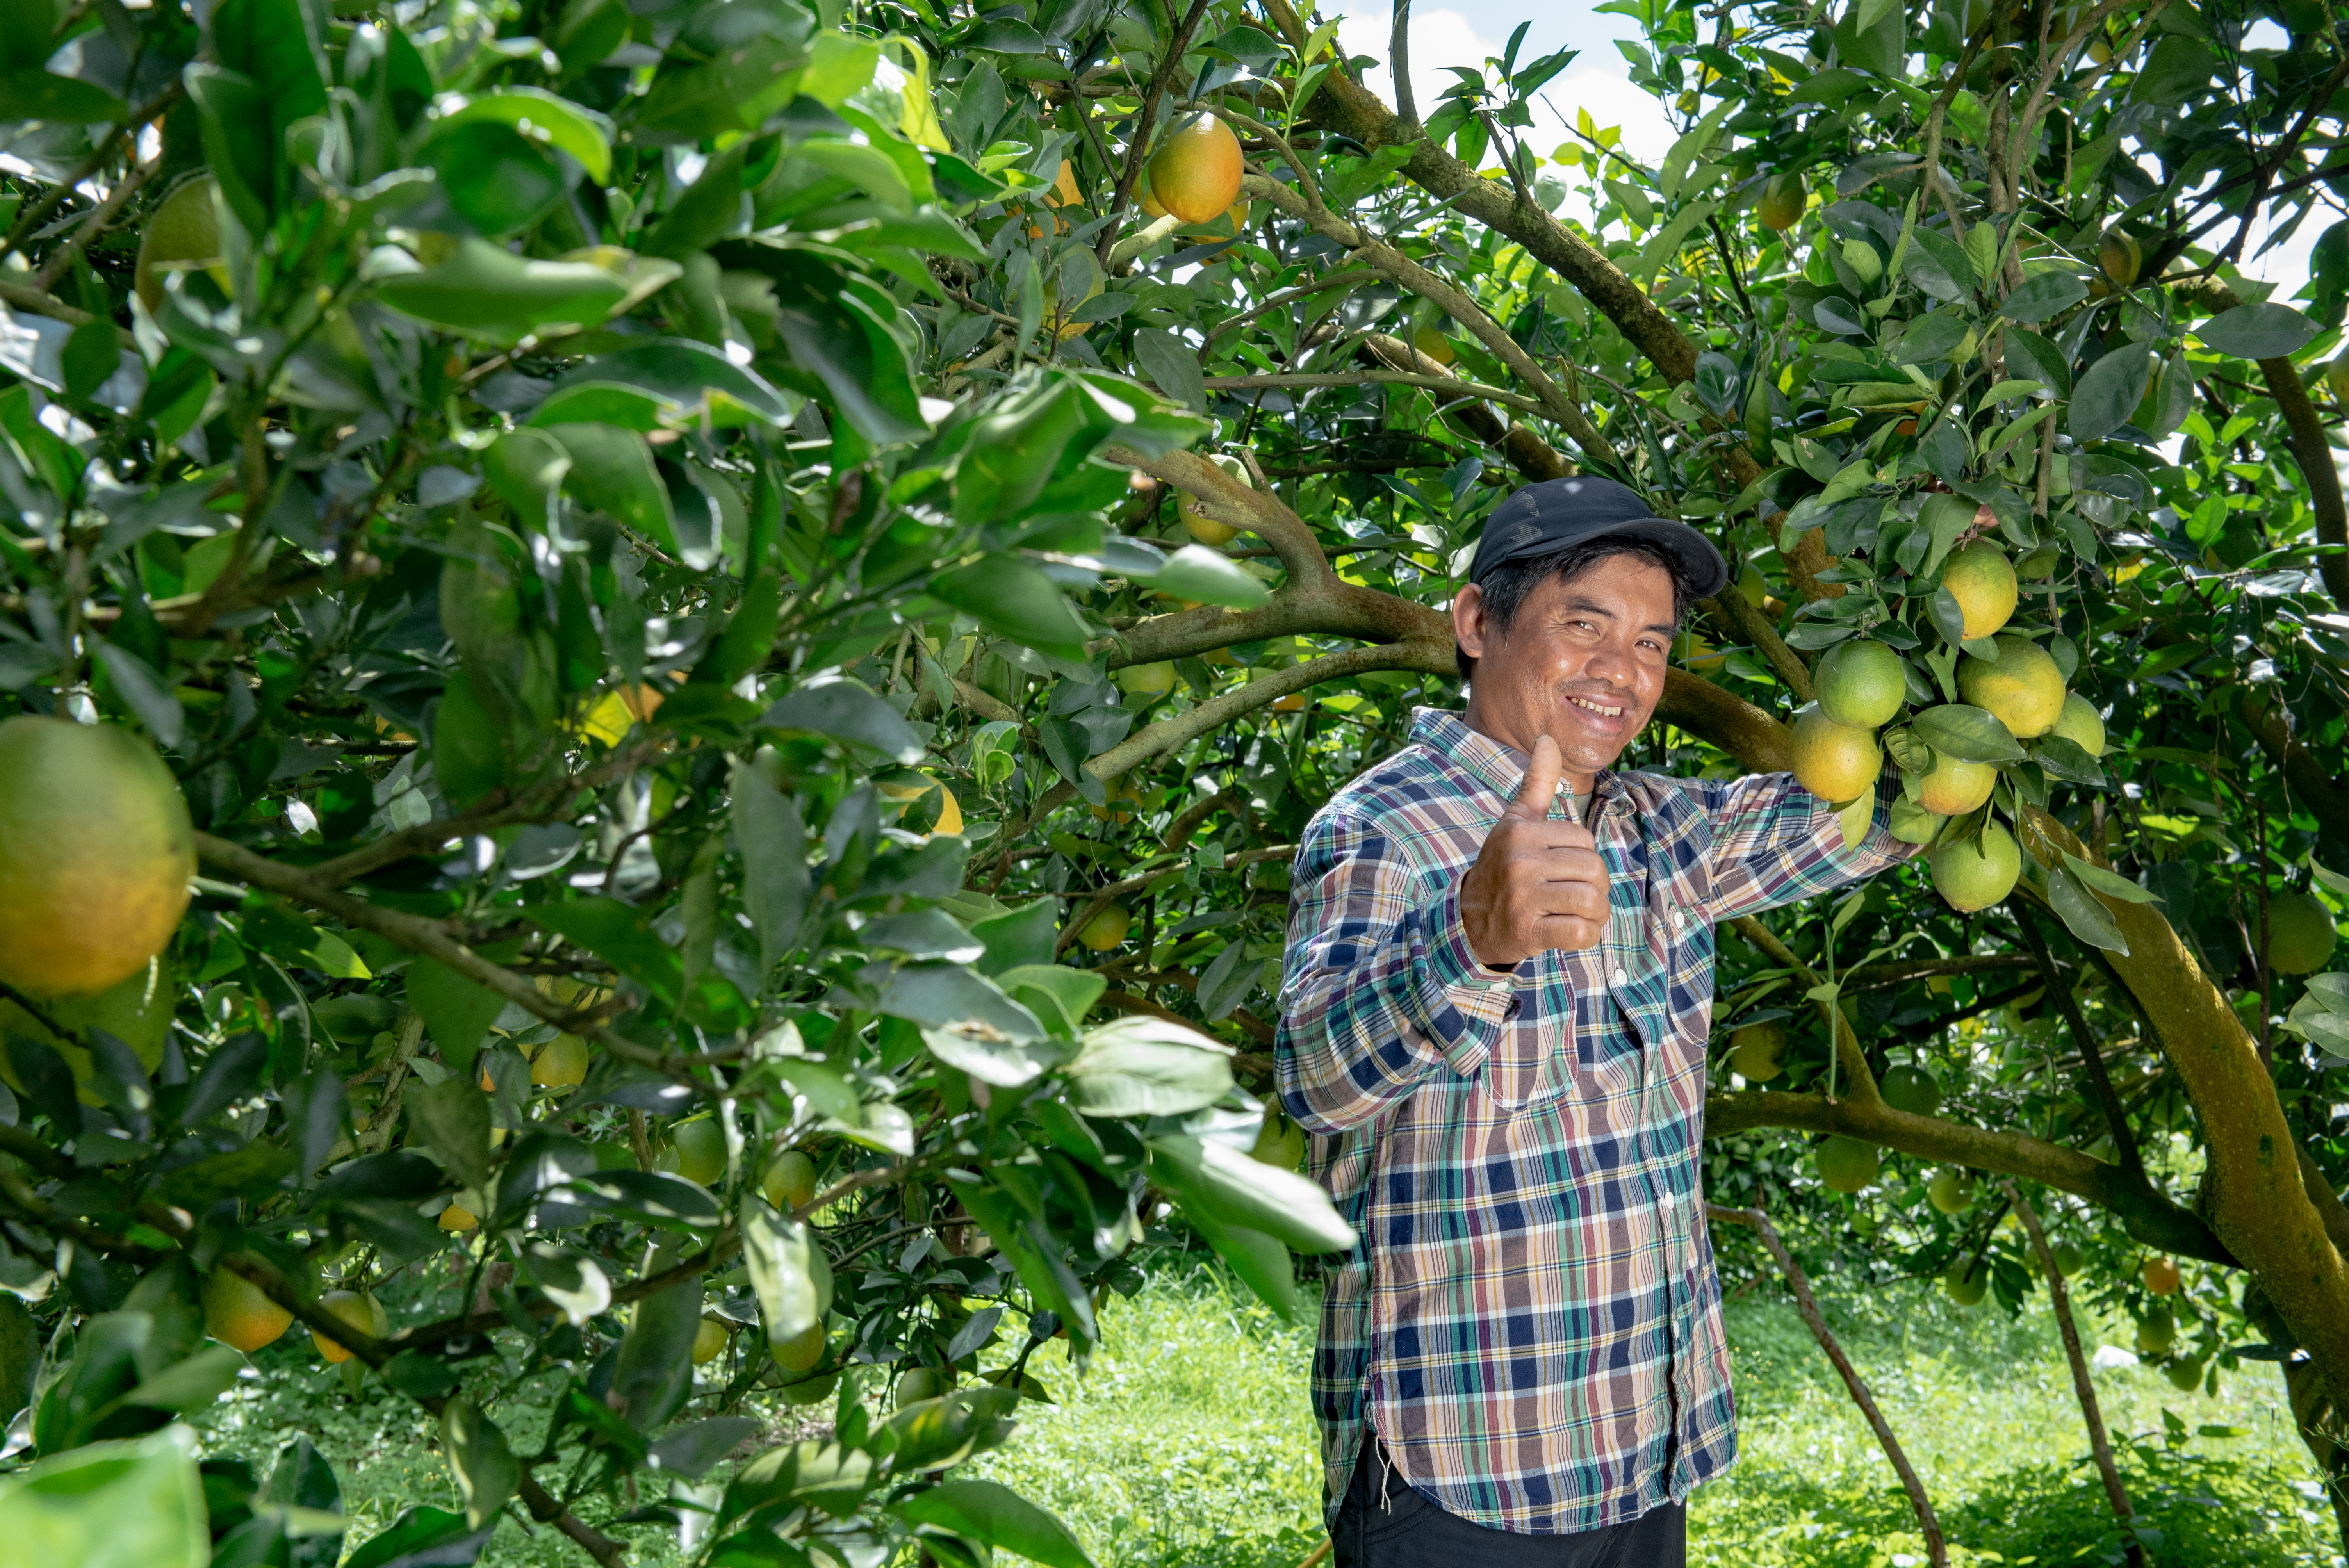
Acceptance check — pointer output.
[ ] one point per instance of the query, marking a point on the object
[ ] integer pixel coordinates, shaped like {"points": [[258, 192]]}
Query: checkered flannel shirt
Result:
{"points": [[1531, 1319]]}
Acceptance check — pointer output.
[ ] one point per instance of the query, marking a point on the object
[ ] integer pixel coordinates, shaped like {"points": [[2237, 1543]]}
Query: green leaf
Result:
{"points": [[2039, 297], [497, 180], [2265, 331], [654, 1371], [2087, 919], [1938, 265], [1055, 993], [423, 1537], [453, 1115], [696, 379], [789, 1273], [942, 995], [2108, 883], [1970, 733], [109, 1505], [483, 1466], [612, 472], [2179, 69], [582, 132], [847, 711], [1291, 1208], [1014, 600], [488, 290], [1148, 1067], [618, 934], [524, 468], [457, 1011], [771, 838], [232, 120], [2110, 391], [194, 1384], [992, 1513], [1195, 572], [2028, 353]]}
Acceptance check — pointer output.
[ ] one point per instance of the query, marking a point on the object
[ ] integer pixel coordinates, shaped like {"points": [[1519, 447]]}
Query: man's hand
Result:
{"points": [[1538, 884]]}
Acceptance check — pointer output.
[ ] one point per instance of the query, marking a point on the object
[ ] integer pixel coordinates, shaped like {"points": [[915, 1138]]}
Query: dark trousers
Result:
{"points": [[1406, 1531]]}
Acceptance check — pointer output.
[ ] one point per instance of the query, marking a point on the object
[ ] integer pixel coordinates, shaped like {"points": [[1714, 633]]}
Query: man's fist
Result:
{"points": [[1538, 883]]}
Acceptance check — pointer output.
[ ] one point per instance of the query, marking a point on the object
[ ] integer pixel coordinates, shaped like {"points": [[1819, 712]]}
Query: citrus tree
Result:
{"points": [[735, 607]]}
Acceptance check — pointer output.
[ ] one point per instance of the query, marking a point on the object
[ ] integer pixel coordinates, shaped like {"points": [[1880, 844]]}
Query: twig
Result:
{"points": [[1928, 1524], [2082, 1384], [94, 224], [1144, 121]]}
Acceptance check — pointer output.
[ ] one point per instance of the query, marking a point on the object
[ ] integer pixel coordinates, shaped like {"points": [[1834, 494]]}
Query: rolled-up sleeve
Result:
{"points": [[1381, 988], [1775, 842]]}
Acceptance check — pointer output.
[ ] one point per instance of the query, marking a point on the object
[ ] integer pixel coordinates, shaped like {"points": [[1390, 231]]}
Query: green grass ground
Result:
{"points": [[1188, 1444]]}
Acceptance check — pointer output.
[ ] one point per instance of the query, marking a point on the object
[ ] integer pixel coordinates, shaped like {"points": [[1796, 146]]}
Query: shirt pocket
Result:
{"points": [[1534, 1063]]}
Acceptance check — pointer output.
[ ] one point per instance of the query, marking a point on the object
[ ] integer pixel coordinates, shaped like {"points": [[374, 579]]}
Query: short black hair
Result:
{"points": [[1507, 586]]}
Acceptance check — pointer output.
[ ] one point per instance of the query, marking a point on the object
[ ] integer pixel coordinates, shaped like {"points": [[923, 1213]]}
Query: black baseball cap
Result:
{"points": [[1551, 514]]}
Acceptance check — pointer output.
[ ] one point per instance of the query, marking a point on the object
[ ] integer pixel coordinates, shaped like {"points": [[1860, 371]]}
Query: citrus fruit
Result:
{"points": [[2184, 1376], [96, 850], [1967, 1289], [1155, 679], [182, 231], [2300, 933], [1952, 1191], [456, 1217], [1758, 1051], [1860, 684], [1911, 1088], [700, 1147], [1847, 1164], [2120, 255], [708, 1342], [950, 821], [1783, 200], [363, 1313], [1435, 345], [2066, 1256], [1981, 580], [790, 1181], [810, 1391], [1063, 192], [915, 1384], [1955, 785], [2080, 724], [2024, 690], [1107, 929], [1196, 173], [237, 1312], [2156, 1331], [560, 1063], [2336, 376], [1205, 529], [1280, 1142], [1976, 873], [2162, 1276], [1835, 761], [1228, 224], [801, 1351]]}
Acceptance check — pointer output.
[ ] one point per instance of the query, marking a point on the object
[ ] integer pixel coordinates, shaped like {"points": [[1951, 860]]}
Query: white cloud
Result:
{"points": [[1438, 38]]}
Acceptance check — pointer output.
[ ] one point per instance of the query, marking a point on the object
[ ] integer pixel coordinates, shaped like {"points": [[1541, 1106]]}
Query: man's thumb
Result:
{"points": [[1540, 787]]}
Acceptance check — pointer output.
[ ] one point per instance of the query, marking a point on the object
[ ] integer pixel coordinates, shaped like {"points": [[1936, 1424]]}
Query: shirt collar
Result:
{"points": [[1500, 768]]}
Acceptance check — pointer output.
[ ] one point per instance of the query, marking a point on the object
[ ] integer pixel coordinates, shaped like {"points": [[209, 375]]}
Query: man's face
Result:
{"points": [[1583, 663]]}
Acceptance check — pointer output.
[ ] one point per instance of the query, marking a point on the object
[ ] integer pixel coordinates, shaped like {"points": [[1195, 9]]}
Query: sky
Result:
{"points": [[1464, 32]]}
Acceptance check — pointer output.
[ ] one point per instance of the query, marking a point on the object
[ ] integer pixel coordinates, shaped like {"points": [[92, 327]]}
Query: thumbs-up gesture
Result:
{"points": [[1538, 884]]}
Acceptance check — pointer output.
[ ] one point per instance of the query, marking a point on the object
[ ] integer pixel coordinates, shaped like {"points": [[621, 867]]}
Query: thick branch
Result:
{"points": [[2308, 778]]}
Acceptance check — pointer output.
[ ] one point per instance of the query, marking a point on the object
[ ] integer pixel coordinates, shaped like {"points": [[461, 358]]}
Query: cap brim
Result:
{"points": [[1706, 572]]}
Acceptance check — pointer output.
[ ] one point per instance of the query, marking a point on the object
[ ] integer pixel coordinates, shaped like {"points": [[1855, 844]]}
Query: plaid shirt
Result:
{"points": [[1530, 1319]]}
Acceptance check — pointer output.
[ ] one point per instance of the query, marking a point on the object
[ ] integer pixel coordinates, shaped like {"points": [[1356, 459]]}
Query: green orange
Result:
{"points": [[2022, 688], [1982, 581], [1835, 761], [96, 850]]}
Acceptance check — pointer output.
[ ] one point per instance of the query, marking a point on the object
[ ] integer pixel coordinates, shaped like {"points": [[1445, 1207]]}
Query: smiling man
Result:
{"points": [[1494, 1017]]}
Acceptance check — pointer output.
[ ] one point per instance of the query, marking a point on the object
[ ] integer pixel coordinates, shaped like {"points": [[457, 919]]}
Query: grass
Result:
{"points": [[1188, 1444]]}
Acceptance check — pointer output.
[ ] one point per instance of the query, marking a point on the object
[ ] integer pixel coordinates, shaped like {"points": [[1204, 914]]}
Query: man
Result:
{"points": [[1497, 994]]}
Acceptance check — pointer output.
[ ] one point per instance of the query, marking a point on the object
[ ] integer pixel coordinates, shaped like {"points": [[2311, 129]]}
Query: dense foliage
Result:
{"points": [[747, 601]]}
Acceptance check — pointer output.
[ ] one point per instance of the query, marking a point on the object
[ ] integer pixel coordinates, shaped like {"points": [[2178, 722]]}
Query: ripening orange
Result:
{"points": [[1197, 173]]}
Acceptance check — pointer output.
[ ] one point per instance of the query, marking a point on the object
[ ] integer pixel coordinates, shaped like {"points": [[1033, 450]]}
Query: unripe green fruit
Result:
{"points": [[1847, 1165], [1860, 684], [1912, 1090]]}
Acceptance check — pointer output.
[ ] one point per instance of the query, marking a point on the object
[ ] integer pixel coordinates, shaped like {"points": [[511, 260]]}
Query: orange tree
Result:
{"points": [[744, 603]]}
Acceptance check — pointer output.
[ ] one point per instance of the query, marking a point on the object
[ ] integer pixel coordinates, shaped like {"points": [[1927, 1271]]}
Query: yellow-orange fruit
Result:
{"points": [[560, 1063], [459, 1218], [236, 1313], [96, 850], [1955, 785], [1196, 174], [1107, 929], [1758, 1051], [1782, 200], [1205, 529], [1435, 345], [1835, 761], [2162, 1276], [1981, 580], [1063, 192], [2024, 689], [363, 1313], [790, 1179], [709, 1341]]}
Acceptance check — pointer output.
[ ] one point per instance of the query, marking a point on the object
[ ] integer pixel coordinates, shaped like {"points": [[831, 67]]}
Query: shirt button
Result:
{"points": [[1676, 920], [1621, 978]]}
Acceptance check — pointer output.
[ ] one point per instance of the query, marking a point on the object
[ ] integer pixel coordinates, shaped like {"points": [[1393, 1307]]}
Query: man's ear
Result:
{"points": [[1468, 622]]}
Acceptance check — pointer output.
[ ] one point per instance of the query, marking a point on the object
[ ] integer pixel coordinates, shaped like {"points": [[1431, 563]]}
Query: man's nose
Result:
{"points": [[1609, 661]]}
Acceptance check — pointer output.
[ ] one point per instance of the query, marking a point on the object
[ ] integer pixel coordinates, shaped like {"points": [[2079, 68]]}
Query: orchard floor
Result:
{"points": [[1187, 1445]]}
